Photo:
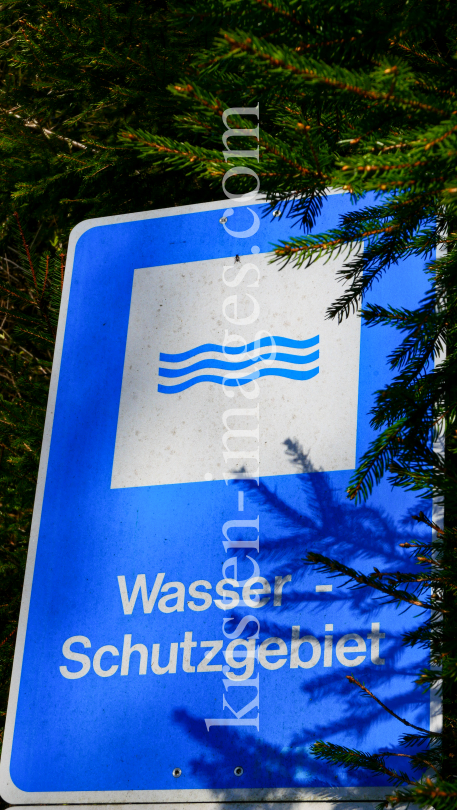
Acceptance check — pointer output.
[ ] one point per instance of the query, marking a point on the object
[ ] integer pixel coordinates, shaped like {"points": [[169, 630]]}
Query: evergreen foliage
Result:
{"points": [[72, 75], [359, 96], [353, 95]]}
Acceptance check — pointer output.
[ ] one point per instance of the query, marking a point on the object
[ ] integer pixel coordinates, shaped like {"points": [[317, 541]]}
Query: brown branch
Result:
{"points": [[46, 275], [364, 689], [54, 134], [434, 89], [385, 168], [286, 250], [442, 138], [246, 46], [367, 582], [408, 756], [53, 19], [327, 42], [274, 151], [26, 249], [35, 334], [31, 124], [282, 12], [9, 636], [420, 55]]}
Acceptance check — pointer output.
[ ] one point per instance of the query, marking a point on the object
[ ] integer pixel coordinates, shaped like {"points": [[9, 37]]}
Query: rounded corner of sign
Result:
{"points": [[11, 793], [81, 228], [9, 788]]}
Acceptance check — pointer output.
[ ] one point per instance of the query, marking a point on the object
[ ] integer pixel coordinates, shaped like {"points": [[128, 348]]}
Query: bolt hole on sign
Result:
{"points": [[204, 420]]}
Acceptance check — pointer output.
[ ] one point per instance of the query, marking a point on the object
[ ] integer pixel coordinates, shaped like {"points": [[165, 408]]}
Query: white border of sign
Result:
{"points": [[316, 798]]}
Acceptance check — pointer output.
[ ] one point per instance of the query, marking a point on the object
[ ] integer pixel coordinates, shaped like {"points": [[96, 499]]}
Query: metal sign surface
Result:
{"points": [[203, 423]]}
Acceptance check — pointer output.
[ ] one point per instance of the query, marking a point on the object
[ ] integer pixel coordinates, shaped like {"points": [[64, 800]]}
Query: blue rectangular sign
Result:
{"points": [[203, 423]]}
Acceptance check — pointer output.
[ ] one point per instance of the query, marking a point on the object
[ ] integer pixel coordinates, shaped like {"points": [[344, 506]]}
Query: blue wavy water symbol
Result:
{"points": [[271, 342], [228, 366], [233, 365]]}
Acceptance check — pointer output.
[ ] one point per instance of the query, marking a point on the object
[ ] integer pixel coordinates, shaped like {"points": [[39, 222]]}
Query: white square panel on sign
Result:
{"points": [[177, 426]]}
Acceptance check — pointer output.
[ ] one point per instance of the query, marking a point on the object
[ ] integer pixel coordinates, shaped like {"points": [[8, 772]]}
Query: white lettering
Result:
{"points": [[172, 660], [248, 660], [128, 650], [205, 597], [295, 660], [264, 651], [186, 646], [70, 655], [178, 595], [251, 597], [96, 663], [279, 585], [328, 648], [140, 585], [204, 665], [232, 595], [342, 651], [374, 637]]}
